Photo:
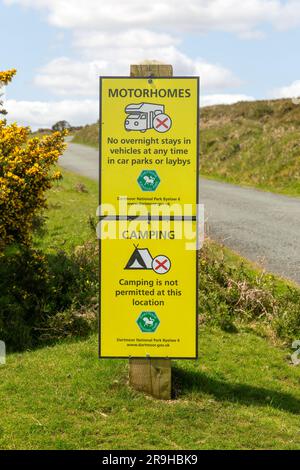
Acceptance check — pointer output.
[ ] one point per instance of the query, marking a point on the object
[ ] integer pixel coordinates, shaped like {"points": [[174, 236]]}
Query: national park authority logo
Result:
{"points": [[148, 180], [148, 322]]}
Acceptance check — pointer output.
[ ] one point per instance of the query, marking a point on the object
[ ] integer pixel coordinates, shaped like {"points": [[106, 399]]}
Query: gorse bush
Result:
{"points": [[25, 174], [42, 296], [5, 78]]}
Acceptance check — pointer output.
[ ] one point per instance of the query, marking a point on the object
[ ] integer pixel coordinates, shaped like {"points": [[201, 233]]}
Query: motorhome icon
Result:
{"points": [[143, 116]]}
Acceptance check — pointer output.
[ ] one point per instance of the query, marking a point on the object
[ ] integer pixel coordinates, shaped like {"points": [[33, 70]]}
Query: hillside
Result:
{"points": [[254, 144], [88, 135], [248, 143]]}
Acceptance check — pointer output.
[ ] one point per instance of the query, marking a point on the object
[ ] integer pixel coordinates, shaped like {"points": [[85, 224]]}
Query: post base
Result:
{"points": [[151, 376]]}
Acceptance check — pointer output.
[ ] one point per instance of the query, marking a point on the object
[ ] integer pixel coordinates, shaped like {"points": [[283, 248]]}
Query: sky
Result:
{"points": [[242, 50]]}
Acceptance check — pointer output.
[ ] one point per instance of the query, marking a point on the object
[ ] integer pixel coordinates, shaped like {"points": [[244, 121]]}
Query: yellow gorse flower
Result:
{"points": [[25, 175], [57, 175], [6, 77]]}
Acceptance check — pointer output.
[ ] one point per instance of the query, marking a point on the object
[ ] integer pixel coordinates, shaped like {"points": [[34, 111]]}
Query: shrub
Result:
{"points": [[232, 294], [25, 175], [46, 297], [260, 110], [5, 78]]}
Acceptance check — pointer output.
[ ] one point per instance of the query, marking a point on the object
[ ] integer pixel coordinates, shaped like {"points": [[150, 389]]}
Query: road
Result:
{"points": [[261, 226]]}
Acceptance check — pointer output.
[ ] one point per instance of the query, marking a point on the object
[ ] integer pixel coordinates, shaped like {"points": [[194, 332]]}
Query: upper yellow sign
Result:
{"points": [[149, 141]]}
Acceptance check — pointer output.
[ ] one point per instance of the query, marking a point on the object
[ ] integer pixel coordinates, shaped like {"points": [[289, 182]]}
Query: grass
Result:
{"points": [[235, 293], [69, 211], [233, 290], [241, 394], [252, 144]]}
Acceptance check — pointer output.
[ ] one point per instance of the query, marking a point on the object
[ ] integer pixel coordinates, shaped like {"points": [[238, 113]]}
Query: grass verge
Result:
{"points": [[235, 292], [71, 214], [241, 394]]}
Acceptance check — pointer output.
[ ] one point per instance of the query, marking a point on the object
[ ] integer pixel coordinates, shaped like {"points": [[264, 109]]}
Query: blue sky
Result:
{"points": [[262, 65], [241, 50]]}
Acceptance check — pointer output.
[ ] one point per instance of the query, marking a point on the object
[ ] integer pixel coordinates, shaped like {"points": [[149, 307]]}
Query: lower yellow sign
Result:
{"points": [[148, 289]]}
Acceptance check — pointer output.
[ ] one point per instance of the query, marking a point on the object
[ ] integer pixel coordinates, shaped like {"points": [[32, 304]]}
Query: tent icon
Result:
{"points": [[140, 259]]}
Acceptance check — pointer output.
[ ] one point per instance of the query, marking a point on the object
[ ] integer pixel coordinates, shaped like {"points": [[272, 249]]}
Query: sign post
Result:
{"points": [[149, 164]]}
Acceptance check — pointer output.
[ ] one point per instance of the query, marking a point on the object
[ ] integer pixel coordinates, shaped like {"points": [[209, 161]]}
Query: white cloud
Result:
{"points": [[130, 47], [67, 77], [289, 91], [109, 36], [255, 34], [64, 76], [287, 15], [210, 100], [44, 114], [169, 15], [214, 77], [133, 38]]}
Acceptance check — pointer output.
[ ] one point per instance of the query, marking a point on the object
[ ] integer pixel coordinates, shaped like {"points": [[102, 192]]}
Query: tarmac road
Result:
{"points": [[261, 226]]}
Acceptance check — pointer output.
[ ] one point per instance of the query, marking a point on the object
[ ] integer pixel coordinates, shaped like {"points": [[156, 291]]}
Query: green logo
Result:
{"points": [[148, 322], [148, 180]]}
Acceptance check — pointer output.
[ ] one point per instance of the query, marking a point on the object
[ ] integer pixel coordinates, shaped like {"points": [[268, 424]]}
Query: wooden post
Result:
{"points": [[151, 376]]}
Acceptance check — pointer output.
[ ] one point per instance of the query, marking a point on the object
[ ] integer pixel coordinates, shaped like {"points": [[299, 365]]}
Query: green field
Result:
{"points": [[241, 394], [249, 143]]}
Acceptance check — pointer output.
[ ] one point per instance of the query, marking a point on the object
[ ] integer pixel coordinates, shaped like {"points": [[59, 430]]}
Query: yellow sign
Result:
{"points": [[149, 158], [149, 141], [148, 286]]}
